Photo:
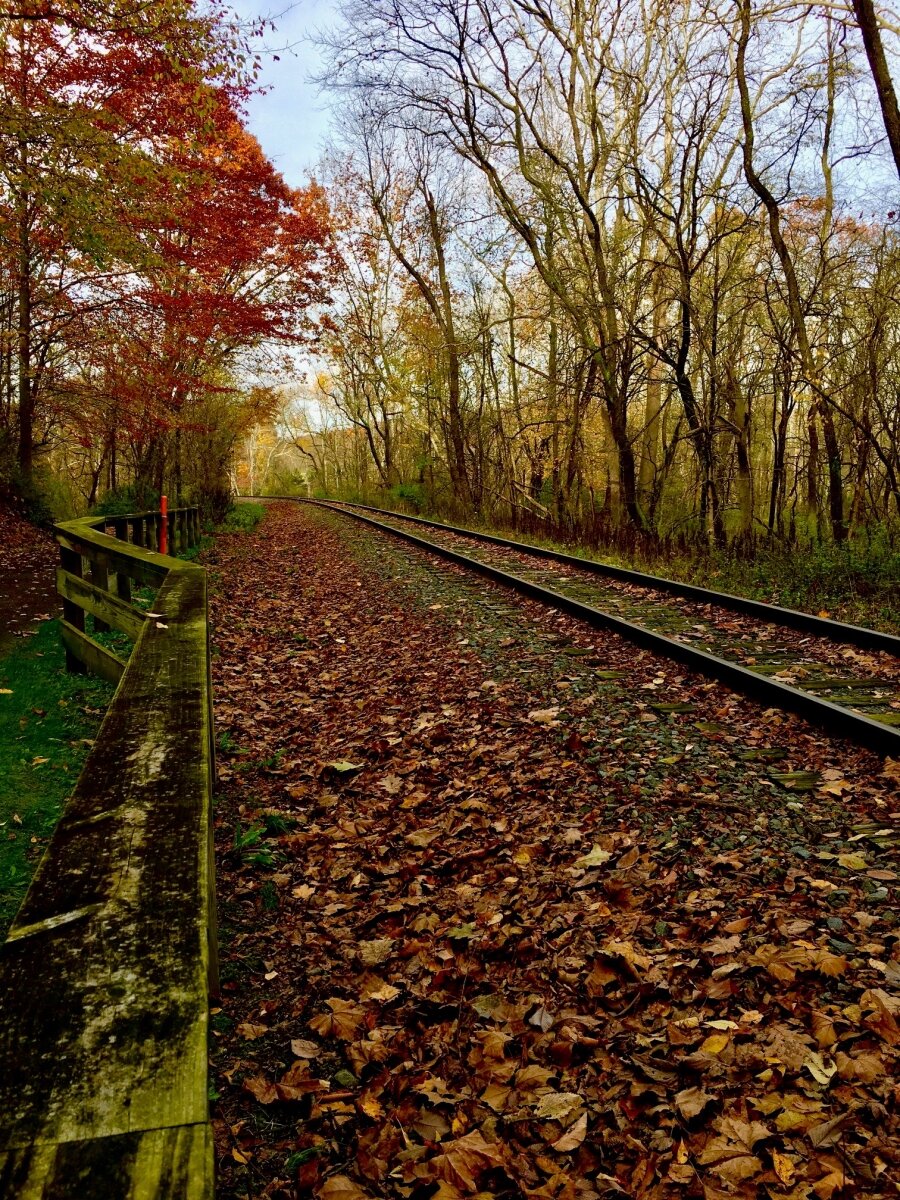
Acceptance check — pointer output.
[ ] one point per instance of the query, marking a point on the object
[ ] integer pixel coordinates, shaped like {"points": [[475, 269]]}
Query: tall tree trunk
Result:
{"points": [[24, 364], [867, 20], [454, 393], [650, 434], [821, 407], [740, 416]]}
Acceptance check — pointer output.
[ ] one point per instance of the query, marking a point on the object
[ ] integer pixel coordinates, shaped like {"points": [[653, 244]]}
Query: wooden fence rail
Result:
{"points": [[107, 969]]}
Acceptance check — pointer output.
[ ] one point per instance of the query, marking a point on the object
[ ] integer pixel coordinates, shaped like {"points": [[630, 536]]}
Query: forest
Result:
{"points": [[149, 250], [449, 622], [622, 273]]}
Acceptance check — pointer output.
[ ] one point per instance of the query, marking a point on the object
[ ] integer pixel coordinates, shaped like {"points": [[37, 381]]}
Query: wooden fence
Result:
{"points": [[107, 969]]}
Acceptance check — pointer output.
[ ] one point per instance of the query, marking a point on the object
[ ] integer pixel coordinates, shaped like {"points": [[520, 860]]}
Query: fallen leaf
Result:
{"points": [[305, 1049], [691, 1102], [557, 1106], [853, 862], [544, 716], [260, 1088], [821, 1071], [250, 1032], [573, 1137], [342, 1022], [784, 1167], [463, 1162], [715, 1043], [342, 1187], [594, 858], [375, 952]]}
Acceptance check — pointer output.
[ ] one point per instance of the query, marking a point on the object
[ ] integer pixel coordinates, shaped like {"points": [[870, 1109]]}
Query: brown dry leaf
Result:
{"points": [[835, 1180], [544, 716], [864, 1067], [782, 962], [342, 1187], [251, 1032], [299, 1091], [823, 1030], [722, 945], [691, 1102], [573, 1137], [557, 1106], [463, 1161], [377, 951], [820, 1070], [882, 1009], [303, 1048], [342, 1022], [371, 1106], [383, 993], [731, 1154], [830, 964], [431, 1126], [784, 1167], [495, 1096], [260, 1088], [735, 1168], [828, 1133]]}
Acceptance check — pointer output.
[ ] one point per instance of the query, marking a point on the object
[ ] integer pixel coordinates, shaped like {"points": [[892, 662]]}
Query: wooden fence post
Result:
{"points": [[123, 583], [70, 560], [100, 579]]}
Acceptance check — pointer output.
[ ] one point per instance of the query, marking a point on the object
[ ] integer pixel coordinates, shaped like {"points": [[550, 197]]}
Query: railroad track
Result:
{"points": [[844, 678]]}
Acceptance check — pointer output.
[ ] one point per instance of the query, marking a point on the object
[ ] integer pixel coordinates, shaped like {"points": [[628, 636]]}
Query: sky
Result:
{"points": [[290, 120]]}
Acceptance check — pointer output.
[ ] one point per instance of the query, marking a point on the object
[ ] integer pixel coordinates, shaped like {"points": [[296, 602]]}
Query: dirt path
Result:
{"points": [[27, 579], [493, 924]]}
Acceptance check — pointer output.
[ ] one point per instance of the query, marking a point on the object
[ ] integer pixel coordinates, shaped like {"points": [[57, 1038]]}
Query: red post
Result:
{"points": [[164, 527]]}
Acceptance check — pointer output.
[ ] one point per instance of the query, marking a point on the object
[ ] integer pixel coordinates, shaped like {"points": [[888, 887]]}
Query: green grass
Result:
{"points": [[47, 719], [242, 518]]}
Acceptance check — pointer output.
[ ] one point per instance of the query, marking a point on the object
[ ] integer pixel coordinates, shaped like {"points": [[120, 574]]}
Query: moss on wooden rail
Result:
{"points": [[104, 977]]}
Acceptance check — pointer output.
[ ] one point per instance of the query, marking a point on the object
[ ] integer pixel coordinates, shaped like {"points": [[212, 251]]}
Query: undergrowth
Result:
{"points": [[856, 582], [242, 518], [48, 719]]}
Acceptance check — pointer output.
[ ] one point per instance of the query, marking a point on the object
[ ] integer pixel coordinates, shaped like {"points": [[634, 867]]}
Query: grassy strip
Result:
{"points": [[242, 518], [48, 719]]}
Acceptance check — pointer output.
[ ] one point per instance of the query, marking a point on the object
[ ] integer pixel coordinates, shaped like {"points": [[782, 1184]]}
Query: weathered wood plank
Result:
{"points": [[137, 563], [73, 613], [100, 604], [160, 1164], [91, 654], [103, 981]]}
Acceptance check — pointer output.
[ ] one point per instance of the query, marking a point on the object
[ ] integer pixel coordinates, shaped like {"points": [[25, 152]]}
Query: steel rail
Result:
{"points": [[772, 614], [833, 717]]}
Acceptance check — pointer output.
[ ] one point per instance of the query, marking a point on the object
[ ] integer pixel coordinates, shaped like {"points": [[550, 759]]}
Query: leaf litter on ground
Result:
{"points": [[593, 953]]}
